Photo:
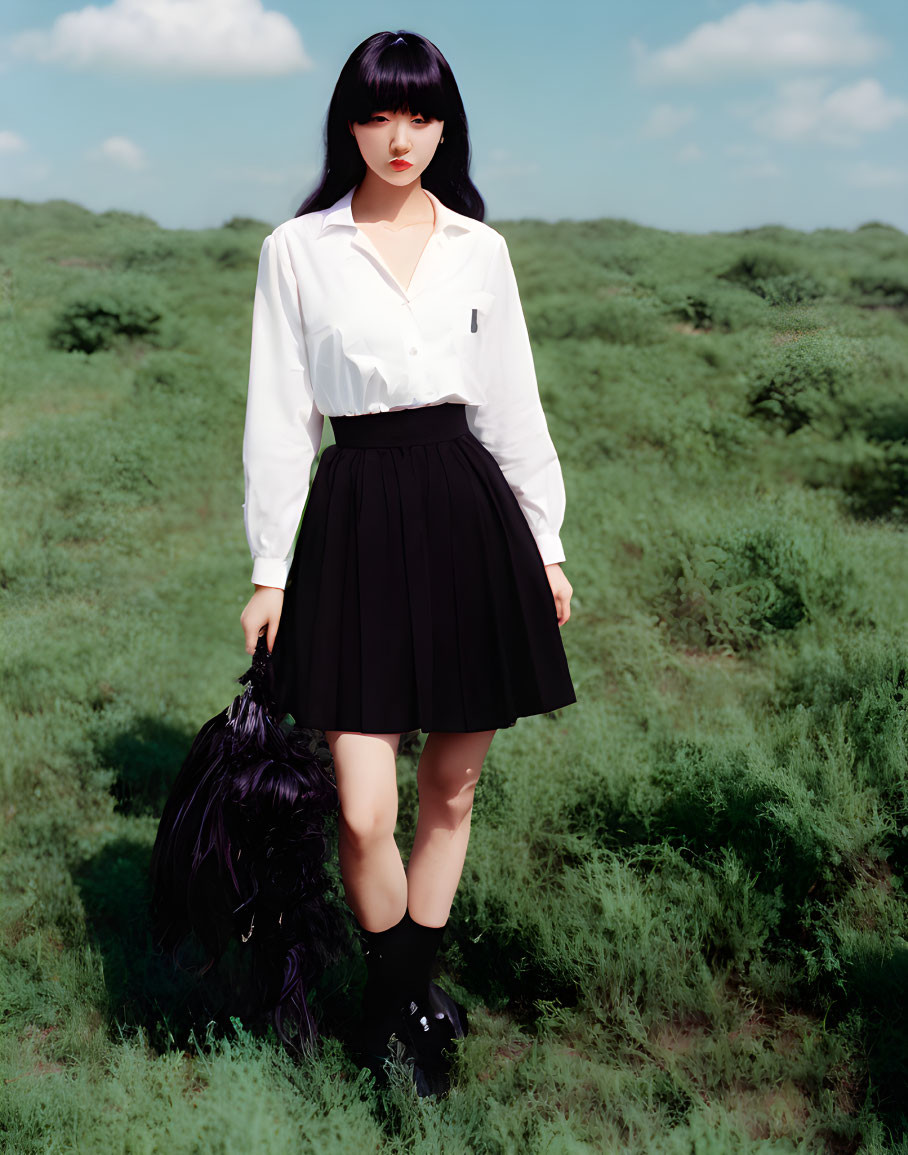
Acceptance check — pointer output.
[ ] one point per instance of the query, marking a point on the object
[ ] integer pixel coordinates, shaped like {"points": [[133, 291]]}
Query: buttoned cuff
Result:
{"points": [[270, 571], [550, 548]]}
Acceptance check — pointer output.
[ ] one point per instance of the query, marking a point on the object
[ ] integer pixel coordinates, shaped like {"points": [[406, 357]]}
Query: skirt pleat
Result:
{"points": [[416, 597]]}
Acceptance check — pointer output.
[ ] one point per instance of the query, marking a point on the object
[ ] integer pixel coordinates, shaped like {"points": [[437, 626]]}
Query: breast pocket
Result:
{"points": [[472, 316], [474, 310]]}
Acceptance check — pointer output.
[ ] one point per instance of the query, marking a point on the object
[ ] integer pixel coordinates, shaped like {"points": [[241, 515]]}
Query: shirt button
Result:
{"points": [[413, 351]]}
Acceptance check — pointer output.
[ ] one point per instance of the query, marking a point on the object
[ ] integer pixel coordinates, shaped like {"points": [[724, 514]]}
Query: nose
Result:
{"points": [[400, 138]]}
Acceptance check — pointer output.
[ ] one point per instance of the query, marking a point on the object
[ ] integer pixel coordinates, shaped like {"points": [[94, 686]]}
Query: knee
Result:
{"points": [[365, 823]]}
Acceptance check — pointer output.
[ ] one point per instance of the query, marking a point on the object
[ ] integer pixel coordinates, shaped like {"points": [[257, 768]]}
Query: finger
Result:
{"points": [[272, 634]]}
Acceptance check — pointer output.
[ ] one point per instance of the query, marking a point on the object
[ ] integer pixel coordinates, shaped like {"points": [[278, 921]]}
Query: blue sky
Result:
{"points": [[696, 116]]}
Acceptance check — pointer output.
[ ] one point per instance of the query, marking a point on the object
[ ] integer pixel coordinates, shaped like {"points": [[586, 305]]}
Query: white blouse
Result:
{"points": [[334, 333]]}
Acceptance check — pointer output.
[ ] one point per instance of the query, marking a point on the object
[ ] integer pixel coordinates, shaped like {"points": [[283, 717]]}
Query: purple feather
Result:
{"points": [[240, 855]]}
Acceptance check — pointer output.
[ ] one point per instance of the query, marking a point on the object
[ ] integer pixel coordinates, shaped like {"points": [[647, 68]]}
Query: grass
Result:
{"points": [[682, 923]]}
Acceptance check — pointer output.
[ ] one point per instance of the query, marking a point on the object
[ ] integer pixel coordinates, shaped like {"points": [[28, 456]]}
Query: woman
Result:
{"points": [[425, 591]]}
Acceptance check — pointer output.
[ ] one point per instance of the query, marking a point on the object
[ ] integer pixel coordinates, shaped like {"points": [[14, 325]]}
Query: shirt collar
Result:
{"points": [[446, 220]]}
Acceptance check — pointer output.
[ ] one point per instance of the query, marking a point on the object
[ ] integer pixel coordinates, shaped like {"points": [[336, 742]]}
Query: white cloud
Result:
{"points": [[760, 39], [189, 37], [666, 119], [122, 151], [11, 142], [757, 163], [690, 152], [803, 111], [868, 175]]}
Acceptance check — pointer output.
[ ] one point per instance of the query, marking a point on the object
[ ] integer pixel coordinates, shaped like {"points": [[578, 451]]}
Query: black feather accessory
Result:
{"points": [[239, 861]]}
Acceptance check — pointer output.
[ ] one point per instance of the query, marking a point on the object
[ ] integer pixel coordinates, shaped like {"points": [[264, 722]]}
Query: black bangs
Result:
{"points": [[398, 76]]}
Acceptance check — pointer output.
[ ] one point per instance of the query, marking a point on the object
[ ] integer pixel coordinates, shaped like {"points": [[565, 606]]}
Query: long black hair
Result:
{"points": [[394, 71]]}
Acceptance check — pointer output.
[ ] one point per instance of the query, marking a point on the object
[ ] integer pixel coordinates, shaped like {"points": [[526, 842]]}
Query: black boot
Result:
{"points": [[453, 1012], [400, 999], [432, 1019]]}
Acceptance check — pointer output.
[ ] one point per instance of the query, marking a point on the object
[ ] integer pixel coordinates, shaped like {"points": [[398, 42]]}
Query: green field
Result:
{"points": [[682, 924]]}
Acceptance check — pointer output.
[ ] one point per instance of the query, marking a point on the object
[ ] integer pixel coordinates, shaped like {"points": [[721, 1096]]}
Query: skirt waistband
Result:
{"points": [[415, 426]]}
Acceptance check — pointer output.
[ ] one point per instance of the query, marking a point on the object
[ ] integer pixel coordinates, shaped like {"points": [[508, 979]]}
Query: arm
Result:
{"points": [[511, 423], [283, 429]]}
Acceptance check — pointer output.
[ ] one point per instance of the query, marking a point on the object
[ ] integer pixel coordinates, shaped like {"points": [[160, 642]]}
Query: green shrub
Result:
{"points": [[166, 371], [709, 305], [759, 265], [871, 471], [773, 276], [871, 225], [877, 486], [732, 797], [880, 285], [745, 585], [788, 288], [229, 255], [241, 224], [808, 382], [861, 689], [698, 311], [151, 250], [887, 420], [96, 320], [130, 220], [621, 319]]}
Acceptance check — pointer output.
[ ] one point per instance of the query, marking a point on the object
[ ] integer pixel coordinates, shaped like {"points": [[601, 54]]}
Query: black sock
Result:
{"points": [[423, 944], [385, 953]]}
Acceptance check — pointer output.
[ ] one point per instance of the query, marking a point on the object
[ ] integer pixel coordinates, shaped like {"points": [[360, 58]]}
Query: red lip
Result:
{"points": [[400, 165]]}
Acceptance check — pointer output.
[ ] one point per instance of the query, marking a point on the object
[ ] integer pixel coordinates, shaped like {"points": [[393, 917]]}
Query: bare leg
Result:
{"points": [[375, 884], [447, 775]]}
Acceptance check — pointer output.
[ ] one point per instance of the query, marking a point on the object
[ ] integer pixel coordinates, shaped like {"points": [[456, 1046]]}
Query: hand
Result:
{"points": [[263, 611], [561, 591]]}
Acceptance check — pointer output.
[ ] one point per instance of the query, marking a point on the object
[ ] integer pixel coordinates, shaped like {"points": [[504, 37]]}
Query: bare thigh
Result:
{"points": [[365, 767]]}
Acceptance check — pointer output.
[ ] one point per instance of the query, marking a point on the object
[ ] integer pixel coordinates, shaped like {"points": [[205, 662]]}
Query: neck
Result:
{"points": [[375, 199]]}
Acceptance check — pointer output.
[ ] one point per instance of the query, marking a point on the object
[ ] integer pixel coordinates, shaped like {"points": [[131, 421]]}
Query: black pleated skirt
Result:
{"points": [[416, 598]]}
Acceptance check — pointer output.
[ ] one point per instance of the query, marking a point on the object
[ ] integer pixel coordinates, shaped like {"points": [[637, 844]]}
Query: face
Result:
{"points": [[398, 146]]}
